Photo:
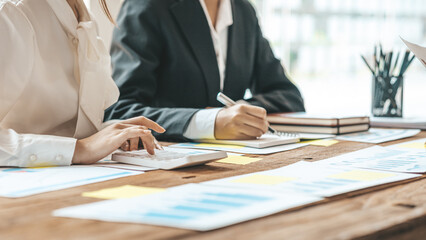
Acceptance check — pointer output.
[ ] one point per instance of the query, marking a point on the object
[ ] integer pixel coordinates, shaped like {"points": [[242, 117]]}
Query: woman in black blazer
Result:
{"points": [[165, 65]]}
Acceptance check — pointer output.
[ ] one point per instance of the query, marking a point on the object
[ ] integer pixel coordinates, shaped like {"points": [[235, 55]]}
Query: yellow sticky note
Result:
{"points": [[240, 160], [362, 175], [263, 179], [218, 145], [42, 167], [416, 145], [322, 142], [127, 191]]}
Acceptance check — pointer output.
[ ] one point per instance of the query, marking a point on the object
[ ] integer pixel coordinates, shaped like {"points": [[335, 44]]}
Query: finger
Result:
{"points": [[243, 136], [158, 145], [143, 121], [254, 111], [252, 121], [133, 132], [134, 144], [148, 143], [125, 146], [127, 125], [250, 131]]}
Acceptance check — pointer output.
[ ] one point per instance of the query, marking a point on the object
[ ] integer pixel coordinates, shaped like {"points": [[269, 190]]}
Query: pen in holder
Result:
{"points": [[388, 82]]}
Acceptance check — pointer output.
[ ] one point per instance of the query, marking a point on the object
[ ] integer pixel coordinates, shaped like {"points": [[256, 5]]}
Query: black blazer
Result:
{"points": [[165, 65]]}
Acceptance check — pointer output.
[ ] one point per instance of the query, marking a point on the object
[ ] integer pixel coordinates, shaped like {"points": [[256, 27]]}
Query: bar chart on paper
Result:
{"points": [[190, 206], [29, 181], [312, 179], [382, 158]]}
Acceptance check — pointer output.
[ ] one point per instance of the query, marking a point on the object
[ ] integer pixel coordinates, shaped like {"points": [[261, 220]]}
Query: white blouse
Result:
{"points": [[55, 82]]}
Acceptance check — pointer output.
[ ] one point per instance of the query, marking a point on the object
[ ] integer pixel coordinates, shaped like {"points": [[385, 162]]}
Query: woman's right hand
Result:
{"points": [[106, 141]]}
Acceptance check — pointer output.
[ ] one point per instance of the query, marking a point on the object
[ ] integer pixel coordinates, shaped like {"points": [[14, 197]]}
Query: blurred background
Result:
{"points": [[320, 42]]}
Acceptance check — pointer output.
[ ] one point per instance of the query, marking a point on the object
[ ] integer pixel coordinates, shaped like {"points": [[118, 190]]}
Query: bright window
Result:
{"points": [[320, 42]]}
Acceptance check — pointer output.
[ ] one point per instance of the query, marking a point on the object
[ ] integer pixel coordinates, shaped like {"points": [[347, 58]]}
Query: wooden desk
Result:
{"points": [[396, 211]]}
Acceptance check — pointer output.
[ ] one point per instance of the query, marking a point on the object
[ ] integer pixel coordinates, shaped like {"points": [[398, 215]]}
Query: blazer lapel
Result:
{"points": [[236, 52], [192, 20]]}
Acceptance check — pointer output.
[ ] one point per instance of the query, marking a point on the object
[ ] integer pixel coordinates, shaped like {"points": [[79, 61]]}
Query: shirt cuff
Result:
{"points": [[202, 124], [43, 150]]}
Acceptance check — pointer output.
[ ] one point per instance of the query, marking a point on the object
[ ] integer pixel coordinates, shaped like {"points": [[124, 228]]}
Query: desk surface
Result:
{"points": [[395, 211]]}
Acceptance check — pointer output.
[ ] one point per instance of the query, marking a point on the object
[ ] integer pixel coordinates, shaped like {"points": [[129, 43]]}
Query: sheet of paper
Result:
{"points": [[239, 160], [191, 206], [315, 136], [239, 149], [114, 164], [419, 51], [416, 145], [322, 142], [311, 178], [382, 158], [378, 135], [126, 191], [21, 182]]}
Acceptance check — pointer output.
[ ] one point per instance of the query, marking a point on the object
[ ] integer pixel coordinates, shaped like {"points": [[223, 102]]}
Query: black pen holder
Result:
{"points": [[387, 96]]}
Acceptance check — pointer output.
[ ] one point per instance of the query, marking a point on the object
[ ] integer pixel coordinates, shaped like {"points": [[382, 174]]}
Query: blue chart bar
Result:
{"points": [[195, 209], [310, 187], [418, 168], [346, 181], [205, 204], [166, 216], [389, 164], [221, 203], [239, 196]]}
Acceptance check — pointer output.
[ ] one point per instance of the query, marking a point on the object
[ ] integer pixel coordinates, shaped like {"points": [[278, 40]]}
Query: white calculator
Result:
{"points": [[168, 158]]}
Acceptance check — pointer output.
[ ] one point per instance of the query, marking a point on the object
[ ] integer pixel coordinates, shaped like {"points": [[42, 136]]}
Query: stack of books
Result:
{"points": [[314, 123]]}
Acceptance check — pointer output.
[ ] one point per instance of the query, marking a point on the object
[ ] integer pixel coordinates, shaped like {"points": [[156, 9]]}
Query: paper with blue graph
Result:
{"points": [[21, 182], [379, 135], [191, 206], [311, 178], [383, 158]]}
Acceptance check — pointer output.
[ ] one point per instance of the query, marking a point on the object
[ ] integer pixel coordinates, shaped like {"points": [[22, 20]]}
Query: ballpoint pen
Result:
{"points": [[225, 100]]}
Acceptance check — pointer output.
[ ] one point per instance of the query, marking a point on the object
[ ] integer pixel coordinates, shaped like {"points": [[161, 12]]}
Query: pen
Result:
{"points": [[225, 100]]}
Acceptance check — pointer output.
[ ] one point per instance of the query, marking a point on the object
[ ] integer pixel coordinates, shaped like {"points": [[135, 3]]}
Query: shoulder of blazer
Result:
{"points": [[155, 5], [245, 12], [153, 11], [245, 6]]}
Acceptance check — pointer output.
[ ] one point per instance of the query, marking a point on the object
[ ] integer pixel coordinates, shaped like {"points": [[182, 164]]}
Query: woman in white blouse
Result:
{"points": [[55, 83]]}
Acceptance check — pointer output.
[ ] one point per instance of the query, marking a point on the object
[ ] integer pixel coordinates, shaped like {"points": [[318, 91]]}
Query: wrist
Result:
{"points": [[76, 157]]}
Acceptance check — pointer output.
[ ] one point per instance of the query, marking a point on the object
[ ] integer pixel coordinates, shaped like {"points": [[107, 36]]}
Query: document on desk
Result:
{"points": [[22, 182], [240, 149], [379, 135], [311, 178], [416, 145], [113, 164], [191, 206], [382, 158]]}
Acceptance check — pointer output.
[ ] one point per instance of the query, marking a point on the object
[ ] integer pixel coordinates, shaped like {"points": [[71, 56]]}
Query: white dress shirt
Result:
{"points": [[55, 80], [202, 123]]}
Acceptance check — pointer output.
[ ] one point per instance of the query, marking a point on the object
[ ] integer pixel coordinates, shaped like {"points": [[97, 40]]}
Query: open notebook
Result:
{"points": [[267, 140]]}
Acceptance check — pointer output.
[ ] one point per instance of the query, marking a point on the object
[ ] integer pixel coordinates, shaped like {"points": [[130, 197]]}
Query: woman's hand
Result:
{"points": [[106, 141], [241, 122]]}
